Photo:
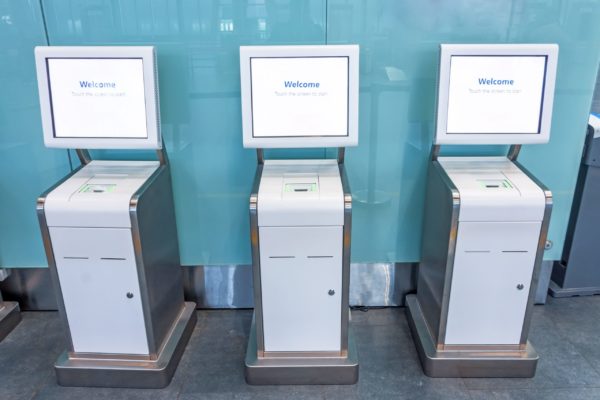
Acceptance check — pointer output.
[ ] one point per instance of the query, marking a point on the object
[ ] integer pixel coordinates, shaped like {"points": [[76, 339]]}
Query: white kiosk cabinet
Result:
{"points": [[109, 226], [10, 315], [300, 212], [486, 218]]}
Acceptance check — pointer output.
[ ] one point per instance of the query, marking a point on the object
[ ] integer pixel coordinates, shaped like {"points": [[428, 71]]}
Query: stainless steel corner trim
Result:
{"points": [[441, 336], [539, 257], [41, 201], [346, 247], [255, 248]]}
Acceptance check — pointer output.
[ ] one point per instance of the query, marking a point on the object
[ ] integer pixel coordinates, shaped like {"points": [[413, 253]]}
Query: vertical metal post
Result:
{"points": [[260, 156], [341, 155], [162, 156], [84, 156], [435, 152], [513, 152]]}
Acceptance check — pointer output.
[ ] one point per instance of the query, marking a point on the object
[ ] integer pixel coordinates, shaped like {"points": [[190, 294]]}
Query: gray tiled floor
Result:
{"points": [[565, 333]]}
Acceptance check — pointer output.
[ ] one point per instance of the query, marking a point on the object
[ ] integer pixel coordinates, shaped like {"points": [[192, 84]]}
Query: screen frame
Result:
{"points": [[447, 51], [247, 53], [148, 56]]}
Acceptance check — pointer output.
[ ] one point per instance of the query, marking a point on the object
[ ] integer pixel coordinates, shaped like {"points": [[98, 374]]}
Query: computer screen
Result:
{"points": [[97, 97], [496, 94], [299, 96]]}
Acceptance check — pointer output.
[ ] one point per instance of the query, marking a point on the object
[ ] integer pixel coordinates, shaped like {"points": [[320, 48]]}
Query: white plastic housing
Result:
{"points": [[489, 135], [150, 102], [299, 139]]}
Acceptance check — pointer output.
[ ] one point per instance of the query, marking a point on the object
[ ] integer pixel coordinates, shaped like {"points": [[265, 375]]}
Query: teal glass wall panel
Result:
{"points": [[197, 42], [198, 61], [27, 168], [399, 56]]}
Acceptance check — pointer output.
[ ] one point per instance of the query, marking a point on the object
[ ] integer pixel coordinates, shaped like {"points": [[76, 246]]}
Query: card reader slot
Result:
{"points": [[75, 258], [319, 256], [282, 256], [515, 251], [113, 258], [478, 251]]}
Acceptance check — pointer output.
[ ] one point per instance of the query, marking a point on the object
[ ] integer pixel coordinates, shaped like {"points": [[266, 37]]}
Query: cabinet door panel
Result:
{"points": [[299, 268], [487, 302], [96, 269]]}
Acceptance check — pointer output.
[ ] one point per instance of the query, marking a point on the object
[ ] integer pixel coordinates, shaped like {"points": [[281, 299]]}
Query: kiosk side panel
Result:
{"points": [[439, 240], [157, 252]]}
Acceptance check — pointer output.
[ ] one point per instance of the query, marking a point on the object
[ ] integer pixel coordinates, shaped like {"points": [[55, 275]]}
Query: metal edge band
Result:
{"points": [[45, 232], [153, 348], [346, 243], [539, 254], [255, 249], [441, 336]]}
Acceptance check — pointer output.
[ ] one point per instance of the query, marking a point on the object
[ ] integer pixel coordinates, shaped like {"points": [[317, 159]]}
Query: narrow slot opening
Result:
{"points": [[319, 256], [477, 251], [282, 256], [300, 190], [113, 258], [515, 251], [75, 258]]}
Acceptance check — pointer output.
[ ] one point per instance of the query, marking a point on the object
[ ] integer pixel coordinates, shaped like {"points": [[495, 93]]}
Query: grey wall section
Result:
{"points": [[230, 286]]}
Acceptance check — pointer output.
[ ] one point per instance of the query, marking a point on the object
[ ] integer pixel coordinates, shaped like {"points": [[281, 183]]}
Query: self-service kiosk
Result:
{"points": [[300, 212], [10, 314], [578, 273], [109, 226], [486, 218]]}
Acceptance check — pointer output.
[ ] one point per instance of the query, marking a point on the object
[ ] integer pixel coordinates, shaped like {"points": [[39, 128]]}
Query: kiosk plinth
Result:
{"points": [[109, 227], [300, 213], [486, 218]]}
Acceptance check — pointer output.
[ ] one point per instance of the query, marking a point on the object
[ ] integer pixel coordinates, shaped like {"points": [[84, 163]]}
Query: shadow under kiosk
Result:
{"points": [[109, 226], [300, 212], [10, 315], [486, 218]]}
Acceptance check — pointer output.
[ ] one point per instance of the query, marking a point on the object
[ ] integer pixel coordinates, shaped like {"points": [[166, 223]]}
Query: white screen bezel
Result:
{"points": [[146, 53], [447, 51], [249, 52]]}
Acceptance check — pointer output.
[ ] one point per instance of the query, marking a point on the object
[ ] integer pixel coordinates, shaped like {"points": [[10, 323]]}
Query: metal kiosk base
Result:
{"points": [[129, 371], [318, 370], [9, 317], [470, 362]]}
